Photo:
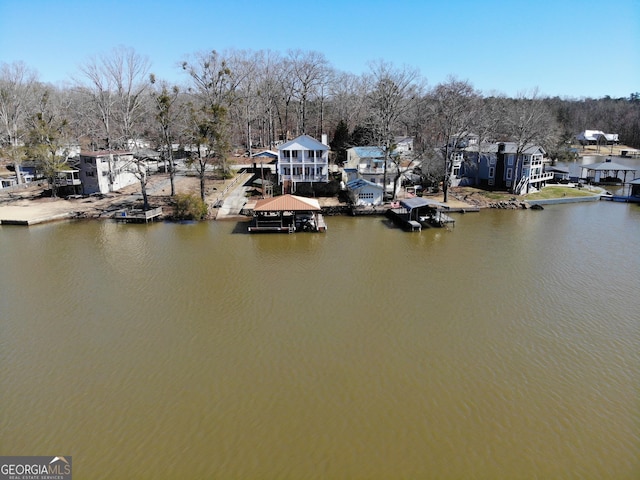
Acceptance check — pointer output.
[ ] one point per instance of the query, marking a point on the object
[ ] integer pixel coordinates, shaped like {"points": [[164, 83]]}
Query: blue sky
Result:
{"points": [[566, 48]]}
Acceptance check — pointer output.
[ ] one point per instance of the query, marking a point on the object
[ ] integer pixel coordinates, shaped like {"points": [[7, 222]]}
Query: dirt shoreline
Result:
{"points": [[29, 206]]}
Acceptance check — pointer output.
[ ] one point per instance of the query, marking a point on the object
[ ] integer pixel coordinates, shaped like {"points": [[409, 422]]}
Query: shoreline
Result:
{"points": [[28, 206]]}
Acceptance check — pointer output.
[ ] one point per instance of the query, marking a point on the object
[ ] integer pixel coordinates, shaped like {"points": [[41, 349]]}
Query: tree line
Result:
{"points": [[241, 101]]}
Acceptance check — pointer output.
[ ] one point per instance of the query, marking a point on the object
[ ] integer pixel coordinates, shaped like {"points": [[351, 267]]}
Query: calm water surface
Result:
{"points": [[507, 347]]}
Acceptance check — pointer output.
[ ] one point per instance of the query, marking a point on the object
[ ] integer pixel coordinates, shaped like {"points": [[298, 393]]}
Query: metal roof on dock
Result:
{"points": [[417, 202]]}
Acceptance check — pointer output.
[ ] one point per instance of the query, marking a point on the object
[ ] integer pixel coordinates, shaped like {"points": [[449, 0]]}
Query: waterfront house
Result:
{"points": [[67, 181], [597, 137], [404, 145], [106, 170], [302, 160], [368, 163], [496, 166], [265, 160], [365, 192]]}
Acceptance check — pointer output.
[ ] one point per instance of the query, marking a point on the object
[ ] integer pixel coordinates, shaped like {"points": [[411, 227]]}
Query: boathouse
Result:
{"points": [[607, 172], [288, 214], [415, 213]]}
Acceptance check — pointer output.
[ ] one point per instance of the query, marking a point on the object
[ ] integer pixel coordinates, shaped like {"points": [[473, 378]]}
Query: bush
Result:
{"points": [[190, 207]]}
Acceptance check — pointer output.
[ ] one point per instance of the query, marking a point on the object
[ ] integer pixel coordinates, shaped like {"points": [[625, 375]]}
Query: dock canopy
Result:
{"points": [[608, 167], [418, 202], [287, 203], [287, 213]]}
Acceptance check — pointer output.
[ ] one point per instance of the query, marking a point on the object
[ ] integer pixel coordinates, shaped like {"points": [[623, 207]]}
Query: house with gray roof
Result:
{"points": [[368, 163], [496, 166]]}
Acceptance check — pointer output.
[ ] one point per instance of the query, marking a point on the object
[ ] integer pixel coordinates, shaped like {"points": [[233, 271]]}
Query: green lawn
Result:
{"points": [[560, 192]]}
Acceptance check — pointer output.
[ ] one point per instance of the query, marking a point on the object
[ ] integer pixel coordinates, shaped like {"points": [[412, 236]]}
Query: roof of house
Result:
{"points": [[368, 152], [287, 203], [360, 183], [509, 147], [594, 135], [303, 142], [104, 153], [266, 154]]}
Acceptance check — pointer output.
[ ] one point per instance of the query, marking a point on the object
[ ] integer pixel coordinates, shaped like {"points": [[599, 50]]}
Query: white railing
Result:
{"points": [[305, 178], [542, 177]]}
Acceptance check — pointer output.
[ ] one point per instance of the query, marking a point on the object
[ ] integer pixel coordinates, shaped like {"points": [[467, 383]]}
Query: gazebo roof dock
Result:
{"points": [[288, 214]]}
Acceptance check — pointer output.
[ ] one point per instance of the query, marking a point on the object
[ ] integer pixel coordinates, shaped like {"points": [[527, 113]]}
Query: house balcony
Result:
{"points": [[542, 177], [372, 170], [303, 159], [304, 178], [67, 182]]}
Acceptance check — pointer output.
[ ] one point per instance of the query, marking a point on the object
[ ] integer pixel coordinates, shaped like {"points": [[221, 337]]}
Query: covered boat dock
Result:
{"points": [[607, 172], [417, 212], [288, 214]]}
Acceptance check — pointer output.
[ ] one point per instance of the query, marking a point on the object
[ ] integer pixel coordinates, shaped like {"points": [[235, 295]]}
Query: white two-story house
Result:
{"points": [[106, 171], [302, 160]]}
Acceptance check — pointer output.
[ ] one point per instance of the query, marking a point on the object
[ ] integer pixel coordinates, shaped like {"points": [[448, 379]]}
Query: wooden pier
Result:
{"points": [[134, 215]]}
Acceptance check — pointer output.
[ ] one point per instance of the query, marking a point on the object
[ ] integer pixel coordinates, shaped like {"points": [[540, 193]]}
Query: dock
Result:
{"points": [[414, 213], [620, 198], [135, 215]]}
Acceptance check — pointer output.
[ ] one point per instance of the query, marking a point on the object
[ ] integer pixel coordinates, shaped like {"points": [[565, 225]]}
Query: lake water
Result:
{"points": [[506, 347]]}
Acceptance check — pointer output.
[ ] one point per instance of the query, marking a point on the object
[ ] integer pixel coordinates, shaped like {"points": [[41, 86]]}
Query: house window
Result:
{"points": [[492, 172], [293, 153], [510, 161], [509, 173], [456, 171]]}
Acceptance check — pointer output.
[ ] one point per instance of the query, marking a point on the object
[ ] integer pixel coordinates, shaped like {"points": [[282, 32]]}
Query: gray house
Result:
{"points": [[495, 166]]}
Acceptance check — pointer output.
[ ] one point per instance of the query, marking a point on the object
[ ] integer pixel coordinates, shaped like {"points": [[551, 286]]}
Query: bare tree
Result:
{"points": [[455, 106], [268, 96], [394, 93], [348, 93], [47, 138], [128, 72], [17, 83], [99, 95], [167, 113], [213, 89], [527, 121], [309, 70]]}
